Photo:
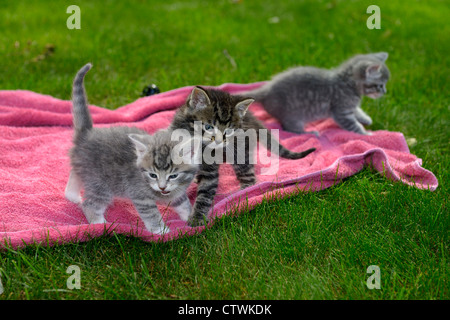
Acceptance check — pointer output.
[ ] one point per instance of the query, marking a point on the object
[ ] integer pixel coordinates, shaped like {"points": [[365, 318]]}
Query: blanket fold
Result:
{"points": [[36, 135]]}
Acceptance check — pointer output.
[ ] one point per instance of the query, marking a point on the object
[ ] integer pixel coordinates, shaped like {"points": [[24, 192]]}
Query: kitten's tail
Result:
{"points": [[278, 148], [82, 120], [258, 94]]}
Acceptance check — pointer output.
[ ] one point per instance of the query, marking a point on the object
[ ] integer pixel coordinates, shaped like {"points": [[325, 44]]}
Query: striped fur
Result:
{"points": [[223, 112]]}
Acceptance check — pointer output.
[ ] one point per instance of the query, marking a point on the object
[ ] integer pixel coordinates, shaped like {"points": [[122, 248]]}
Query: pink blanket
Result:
{"points": [[36, 135]]}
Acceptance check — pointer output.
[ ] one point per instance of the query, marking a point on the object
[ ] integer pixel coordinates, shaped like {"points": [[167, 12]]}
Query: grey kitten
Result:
{"points": [[303, 94], [224, 117], [125, 162]]}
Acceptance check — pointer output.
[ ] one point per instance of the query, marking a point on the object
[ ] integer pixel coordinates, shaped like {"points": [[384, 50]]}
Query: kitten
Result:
{"points": [[303, 94], [125, 162], [223, 117]]}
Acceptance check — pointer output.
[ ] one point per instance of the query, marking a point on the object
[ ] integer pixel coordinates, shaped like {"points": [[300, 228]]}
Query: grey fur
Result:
{"points": [[304, 94], [120, 162]]}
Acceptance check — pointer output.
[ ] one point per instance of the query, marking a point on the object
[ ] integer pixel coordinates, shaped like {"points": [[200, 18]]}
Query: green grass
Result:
{"points": [[310, 246]]}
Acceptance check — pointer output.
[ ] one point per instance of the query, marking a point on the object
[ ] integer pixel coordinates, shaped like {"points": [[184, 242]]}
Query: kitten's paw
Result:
{"points": [[246, 185], [73, 189], [73, 197], [364, 133], [184, 216], [159, 230], [366, 122], [195, 222], [97, 220], [94, 216]]}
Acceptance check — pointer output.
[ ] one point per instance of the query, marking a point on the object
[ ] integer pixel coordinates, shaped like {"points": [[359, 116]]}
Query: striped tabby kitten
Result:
{"points": [[223, 117], [303, 94], [125, 162]]}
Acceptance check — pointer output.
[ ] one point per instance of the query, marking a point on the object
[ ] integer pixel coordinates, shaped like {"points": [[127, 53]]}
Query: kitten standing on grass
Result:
{"points": [[125, 162], [304, 94]]}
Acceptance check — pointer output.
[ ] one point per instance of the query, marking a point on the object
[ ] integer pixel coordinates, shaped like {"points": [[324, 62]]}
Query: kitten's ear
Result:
{"points": [[198, 99], [382, 56], [373, 71], [138, 141], [242, 107]]}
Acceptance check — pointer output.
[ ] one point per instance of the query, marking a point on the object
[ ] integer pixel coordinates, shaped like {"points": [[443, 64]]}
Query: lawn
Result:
{"points": [[310, 246]]}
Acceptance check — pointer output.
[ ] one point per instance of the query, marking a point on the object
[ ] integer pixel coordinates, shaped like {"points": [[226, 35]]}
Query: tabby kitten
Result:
{"points": [[125, 162], [223, 117], [303, 94]]}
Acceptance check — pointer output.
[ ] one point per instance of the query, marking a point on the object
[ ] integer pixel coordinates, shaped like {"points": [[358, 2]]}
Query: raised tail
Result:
{"points": [[272, 144], [82, 120]]}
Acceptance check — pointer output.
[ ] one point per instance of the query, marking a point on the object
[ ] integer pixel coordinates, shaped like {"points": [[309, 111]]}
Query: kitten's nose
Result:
{"points": [[162, 188]]}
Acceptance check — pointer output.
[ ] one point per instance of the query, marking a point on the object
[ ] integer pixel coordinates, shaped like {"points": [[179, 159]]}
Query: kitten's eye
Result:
{"points": [[208, 127], [152, 175], [173, 176], [228, 131]]}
